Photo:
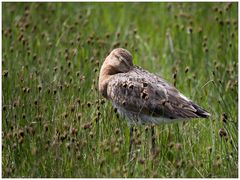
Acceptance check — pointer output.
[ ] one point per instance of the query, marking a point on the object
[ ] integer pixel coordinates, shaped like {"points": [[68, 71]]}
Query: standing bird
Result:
{"points": [[142, 97]]}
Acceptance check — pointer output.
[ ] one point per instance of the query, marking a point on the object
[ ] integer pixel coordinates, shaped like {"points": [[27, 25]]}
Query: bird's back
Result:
{"points": [[146, 98]]}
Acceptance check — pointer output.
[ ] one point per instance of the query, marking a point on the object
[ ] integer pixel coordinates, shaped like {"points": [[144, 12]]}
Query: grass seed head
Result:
{"points": [[91, 134], [120, 140], [138, 141], [39, 88], [141, 161], [175, 75], [117, 131], [224, 117], [36, 102], [14, 146], [79, 115], [46, 127], [21, 133], [190, 30], [209, 149], [4, 107], [68, 146], [87, 126], [115, 150], [31, 130], [98, 113], [217, 163], [74, 131], [89, 104], [20, 140], [72, 108], [135, 31], [222, 132], [206, 50]]}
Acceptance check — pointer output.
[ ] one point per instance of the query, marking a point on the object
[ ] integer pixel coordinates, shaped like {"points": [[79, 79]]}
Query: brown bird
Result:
{"points": [[142, 97]]}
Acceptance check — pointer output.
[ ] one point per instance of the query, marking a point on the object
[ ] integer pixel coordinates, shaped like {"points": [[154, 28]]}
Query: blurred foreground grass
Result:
{"points": [[54, 122]]}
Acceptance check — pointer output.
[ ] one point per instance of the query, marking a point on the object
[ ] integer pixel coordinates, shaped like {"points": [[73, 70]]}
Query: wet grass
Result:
{"points": [[55, 123]]}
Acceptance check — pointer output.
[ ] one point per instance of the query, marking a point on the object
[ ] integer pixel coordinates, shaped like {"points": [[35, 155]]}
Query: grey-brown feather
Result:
{"points": [[144, 97]]}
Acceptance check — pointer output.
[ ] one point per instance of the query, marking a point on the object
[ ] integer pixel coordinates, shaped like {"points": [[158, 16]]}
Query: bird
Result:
{"points": [[142, 97]]}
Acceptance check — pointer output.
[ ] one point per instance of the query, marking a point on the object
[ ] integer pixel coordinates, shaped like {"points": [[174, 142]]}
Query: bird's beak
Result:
{"points": [[124, 60]]}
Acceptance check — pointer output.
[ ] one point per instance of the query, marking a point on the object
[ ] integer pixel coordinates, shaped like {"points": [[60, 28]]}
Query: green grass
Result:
{"points": [[56, 124]]}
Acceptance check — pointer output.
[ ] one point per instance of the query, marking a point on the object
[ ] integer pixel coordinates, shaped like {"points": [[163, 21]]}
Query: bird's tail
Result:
{"points": [[201, 112]]}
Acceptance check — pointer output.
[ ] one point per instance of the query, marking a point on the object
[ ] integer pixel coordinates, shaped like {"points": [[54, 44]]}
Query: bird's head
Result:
{"points": [[120, 60]]}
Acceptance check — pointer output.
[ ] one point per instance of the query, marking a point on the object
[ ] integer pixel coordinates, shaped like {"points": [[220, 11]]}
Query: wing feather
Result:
{"points": [[139, 91]]}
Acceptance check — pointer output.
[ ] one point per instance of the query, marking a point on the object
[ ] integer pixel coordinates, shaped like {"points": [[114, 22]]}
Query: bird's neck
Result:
{"points": [[106, 73]]}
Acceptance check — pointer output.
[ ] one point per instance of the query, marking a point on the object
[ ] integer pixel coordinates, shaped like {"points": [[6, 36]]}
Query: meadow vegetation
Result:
{"points": [[56, 124]]}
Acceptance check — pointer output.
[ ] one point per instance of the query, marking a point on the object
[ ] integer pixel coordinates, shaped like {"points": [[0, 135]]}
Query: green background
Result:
{"points": [[56, 124]]}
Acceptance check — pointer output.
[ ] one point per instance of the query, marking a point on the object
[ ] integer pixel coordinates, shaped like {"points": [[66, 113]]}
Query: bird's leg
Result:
{"points": [[153, 140], [131, 142]]}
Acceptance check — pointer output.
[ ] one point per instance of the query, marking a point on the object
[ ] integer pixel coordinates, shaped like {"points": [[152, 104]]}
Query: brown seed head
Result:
{"points": [[74, 131], [5, 73], [141, 161], [87, 126], [21, 133], [222, 132], [117, 131], [209, 149], [46, 127], [224, 118]]}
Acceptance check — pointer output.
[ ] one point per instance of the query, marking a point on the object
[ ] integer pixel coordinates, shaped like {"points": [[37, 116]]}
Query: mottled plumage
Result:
{"points": [[143, 97]]}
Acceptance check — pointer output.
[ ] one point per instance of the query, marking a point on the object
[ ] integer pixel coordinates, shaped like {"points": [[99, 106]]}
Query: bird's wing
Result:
{"points": [[142, 92]]}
